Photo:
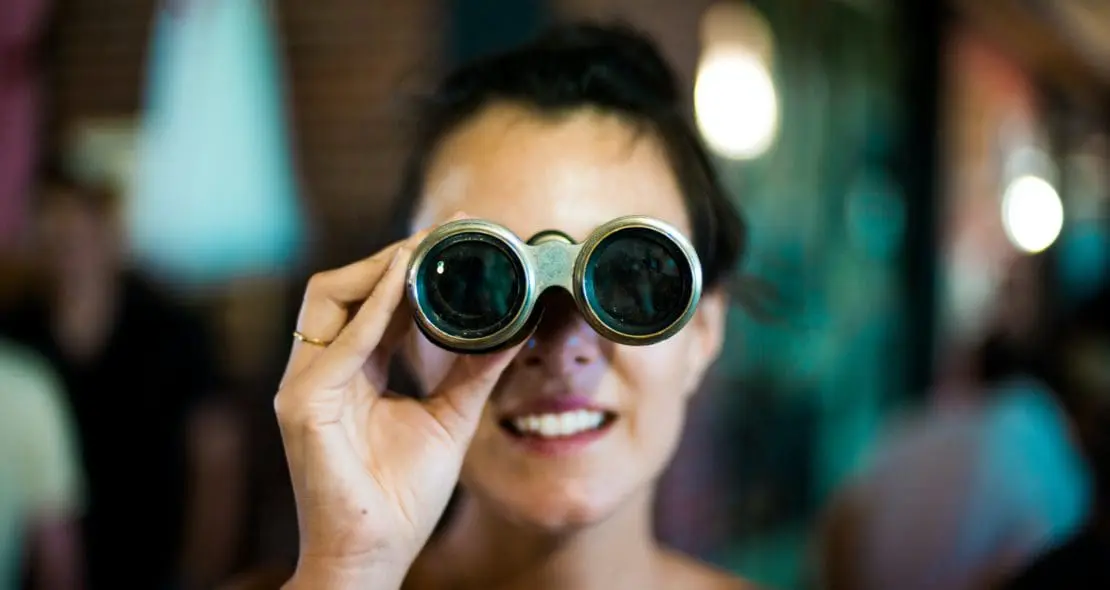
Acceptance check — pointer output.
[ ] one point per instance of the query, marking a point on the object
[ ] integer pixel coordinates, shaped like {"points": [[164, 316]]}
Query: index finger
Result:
{"points": [[330, 296]]}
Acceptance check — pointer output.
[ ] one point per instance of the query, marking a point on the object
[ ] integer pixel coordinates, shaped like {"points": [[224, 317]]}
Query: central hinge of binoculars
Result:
{"points": [[554, 261]]}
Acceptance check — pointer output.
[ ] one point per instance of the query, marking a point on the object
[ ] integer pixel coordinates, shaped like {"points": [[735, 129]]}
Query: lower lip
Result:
{"points": [[563, 445]]}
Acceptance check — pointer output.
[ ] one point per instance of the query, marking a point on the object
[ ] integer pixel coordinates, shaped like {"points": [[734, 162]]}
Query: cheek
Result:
{"points": [[668, 369], [657, 382]]}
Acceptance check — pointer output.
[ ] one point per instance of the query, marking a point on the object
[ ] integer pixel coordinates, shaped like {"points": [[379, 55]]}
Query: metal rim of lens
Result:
{"points": [[445, 312], [616, 226], [550, 235], [450, 341]]}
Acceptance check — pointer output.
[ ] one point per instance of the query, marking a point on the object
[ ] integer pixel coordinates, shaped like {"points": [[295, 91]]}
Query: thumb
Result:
{"points": [[458, 401]]}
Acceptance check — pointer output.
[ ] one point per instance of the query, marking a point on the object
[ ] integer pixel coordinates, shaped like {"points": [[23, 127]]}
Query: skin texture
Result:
{"points": [[581, 520]]}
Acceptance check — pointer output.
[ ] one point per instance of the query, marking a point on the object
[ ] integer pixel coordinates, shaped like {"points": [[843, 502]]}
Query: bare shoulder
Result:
{"points": [[688, 573]]}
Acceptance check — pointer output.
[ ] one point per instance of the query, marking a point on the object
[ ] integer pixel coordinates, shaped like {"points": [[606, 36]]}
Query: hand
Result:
{"points": [[372, 472]]}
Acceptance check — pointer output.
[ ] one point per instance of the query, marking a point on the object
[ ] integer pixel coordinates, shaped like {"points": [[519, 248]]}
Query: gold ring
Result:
{"points": [[307, 340]]}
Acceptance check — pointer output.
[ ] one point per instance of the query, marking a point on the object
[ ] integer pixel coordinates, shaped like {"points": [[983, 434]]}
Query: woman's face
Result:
{"points": [[573, 174]]}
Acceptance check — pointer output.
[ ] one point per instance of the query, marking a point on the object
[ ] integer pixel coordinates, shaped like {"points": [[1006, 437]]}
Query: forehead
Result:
{"points": [[531, 173]]}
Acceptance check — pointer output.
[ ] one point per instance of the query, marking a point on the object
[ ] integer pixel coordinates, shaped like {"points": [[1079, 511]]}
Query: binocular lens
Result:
{"points": [[638, 282], [471, 285]]}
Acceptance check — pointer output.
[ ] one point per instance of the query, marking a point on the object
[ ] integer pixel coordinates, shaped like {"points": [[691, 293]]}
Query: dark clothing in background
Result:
{"points": [[1080, 564], [131, 405]]}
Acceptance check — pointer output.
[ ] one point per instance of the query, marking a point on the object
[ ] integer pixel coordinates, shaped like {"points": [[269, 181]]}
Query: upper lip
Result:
{"points": [[553, 405]]}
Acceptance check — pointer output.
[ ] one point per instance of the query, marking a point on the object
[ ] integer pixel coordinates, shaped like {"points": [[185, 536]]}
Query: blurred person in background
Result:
{"points": [[569, 131], [1082, 363], [40, 477], [160, 454], [974, 489], [41, 488]]}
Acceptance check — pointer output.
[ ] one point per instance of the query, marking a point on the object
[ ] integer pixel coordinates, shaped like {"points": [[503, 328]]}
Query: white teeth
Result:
{"points": [[562, 424]]}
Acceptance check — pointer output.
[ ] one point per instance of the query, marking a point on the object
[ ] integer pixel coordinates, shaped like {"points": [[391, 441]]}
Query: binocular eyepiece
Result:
{"points": [[474, 286]]}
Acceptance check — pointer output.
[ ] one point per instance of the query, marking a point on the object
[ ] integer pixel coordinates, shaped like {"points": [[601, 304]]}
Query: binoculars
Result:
{"points": [[474, 286]]}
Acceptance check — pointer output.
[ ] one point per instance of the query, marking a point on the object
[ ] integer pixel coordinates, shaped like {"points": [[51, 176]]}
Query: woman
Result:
{"points": [[568, 132]]}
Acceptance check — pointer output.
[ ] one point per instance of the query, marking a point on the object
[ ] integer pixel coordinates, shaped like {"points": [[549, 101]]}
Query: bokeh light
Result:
{"points": [[736, 103], [1032, 214]]}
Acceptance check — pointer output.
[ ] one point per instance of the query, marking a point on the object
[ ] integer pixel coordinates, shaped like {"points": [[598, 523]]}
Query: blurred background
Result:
{"points": [[918, 176]]}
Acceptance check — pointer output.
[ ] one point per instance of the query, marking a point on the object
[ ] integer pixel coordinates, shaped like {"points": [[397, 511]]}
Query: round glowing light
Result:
{"points": [[735, 104], [1032, 214]]}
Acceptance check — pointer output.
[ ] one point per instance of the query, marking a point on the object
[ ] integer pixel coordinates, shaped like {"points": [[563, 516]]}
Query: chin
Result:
{"points": [[560, 520], [557, 509]]}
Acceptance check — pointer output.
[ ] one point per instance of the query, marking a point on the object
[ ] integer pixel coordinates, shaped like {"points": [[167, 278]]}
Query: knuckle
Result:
{"points": [[286, 407], [318, 284]]}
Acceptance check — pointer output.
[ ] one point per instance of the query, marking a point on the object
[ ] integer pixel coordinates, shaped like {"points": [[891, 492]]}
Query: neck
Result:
{"points": [[482, 550]]}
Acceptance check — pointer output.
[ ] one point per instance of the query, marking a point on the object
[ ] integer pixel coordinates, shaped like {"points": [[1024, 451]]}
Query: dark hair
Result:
{"points": [[612, 68]]}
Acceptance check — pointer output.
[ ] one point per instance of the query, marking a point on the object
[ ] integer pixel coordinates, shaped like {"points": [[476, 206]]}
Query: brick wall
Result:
{"points": [[351, 64], [96, 60], [348, 65]]}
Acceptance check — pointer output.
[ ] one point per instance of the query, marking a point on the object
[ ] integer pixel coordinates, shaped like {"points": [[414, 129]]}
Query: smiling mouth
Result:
{"points": [[559, 425]]}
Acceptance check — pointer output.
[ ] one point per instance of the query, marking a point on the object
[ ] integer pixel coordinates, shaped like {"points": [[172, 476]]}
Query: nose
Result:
{"points": [[563, 343]]}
